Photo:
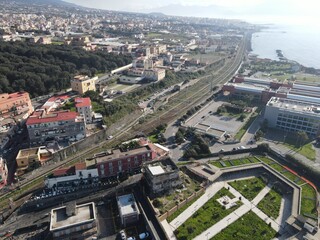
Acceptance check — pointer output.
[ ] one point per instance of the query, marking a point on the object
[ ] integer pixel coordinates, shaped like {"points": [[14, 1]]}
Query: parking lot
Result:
{"points": [[207, 118]]}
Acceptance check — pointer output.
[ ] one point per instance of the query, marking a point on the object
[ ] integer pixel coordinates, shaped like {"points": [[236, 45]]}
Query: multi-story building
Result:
{"points": [[58, 126], [128, 209], [15, 104], [82, 84], [293, 115], [84, 107], [155, 74], [75, 175], [142, 62], [3, 173], [122, 162], [162, 176], [32, 157], [74, 222]]}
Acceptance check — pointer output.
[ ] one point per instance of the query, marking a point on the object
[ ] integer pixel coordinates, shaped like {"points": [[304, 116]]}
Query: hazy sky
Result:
{"points": [[288, 11]]}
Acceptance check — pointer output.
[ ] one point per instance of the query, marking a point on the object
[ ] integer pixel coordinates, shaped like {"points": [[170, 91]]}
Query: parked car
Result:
{"points": [[144, 235]]}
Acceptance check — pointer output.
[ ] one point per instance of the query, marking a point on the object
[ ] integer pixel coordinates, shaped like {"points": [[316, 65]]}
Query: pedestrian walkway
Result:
{"points": [[168, 229], [209, 193], [235, 215]]}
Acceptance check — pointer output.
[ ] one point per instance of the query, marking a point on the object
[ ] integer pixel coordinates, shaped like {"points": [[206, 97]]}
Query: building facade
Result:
{"points": [[32, 157], [84, 107], [82, 84], [162, 176], [75, 175], [58, 126], [119, 162], [155, 74], [15, 104], [293, 115]]}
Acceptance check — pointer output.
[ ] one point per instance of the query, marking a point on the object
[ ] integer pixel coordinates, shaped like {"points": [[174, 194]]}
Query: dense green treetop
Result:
{"points": [[41, 69]]}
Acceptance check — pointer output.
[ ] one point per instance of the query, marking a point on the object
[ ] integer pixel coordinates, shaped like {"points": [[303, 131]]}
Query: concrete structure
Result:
{"points": [[73, 222], [84, 107], [128, 209], [74, 175], [293, 115], [130, 80], [162, 176], [14, 104], [32, 157], [155, 74], [82, 84], [121, 162], [62, 125]]}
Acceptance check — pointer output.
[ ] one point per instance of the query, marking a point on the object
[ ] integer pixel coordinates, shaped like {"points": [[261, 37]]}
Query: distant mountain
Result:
{"points": [[196, 11]]}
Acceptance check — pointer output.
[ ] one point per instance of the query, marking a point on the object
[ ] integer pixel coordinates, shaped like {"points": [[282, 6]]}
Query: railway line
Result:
{"points": [[178, 104]]}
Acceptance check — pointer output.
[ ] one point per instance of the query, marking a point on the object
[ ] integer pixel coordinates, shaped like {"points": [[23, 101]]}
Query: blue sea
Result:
{"points": [[299, 43]]}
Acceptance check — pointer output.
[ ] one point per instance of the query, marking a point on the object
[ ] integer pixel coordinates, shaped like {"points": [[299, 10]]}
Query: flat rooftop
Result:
{"points": [[118, 154], [127, 204], [83, 213], [27, 152], [295, 105], [156, 170]]}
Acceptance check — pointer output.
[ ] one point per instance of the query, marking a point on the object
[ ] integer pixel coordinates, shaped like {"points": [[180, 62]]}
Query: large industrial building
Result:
{"points": [[293, 115], [264, 89]]}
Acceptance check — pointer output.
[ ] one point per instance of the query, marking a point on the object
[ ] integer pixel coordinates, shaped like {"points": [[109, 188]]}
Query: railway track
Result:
{"points": [[199, 92]]}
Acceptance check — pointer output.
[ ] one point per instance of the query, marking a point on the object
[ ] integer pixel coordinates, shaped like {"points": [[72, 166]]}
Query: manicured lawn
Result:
{"points": [[308, 191], [266, 160], [235, 162], [277, 167], [180, 210], [308, 201], [249, 226], [290, 175], [271, 203], [209, 214], [249, 188]]}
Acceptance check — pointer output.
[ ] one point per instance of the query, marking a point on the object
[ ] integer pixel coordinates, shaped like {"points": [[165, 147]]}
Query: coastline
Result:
{"points": [[296, 43]]}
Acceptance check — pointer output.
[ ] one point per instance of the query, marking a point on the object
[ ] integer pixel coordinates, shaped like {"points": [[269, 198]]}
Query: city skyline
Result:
{"points": [[260, 11]]}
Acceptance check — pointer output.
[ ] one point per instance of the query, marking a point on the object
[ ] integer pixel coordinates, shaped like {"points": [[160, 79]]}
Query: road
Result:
{"points": [[196, 94]]}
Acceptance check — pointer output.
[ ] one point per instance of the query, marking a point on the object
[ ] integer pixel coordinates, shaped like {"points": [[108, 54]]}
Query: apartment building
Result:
{"points": [[74, 175], [82, 84], [58, 126], [84, 108], [293, 115], [155, 74], [162, 176], [15, 104], [122, 162], [32, 157]]}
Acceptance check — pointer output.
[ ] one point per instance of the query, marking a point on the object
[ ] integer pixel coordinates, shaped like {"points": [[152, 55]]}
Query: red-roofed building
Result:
{"points": [[58, 126], [84, 107], [72, 176]]}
